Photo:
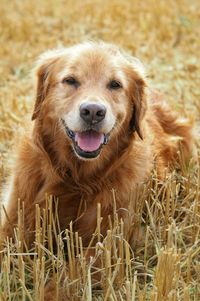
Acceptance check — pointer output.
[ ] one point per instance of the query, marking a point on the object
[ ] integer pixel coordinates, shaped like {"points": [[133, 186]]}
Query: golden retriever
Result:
{"points": [[95, 129]]}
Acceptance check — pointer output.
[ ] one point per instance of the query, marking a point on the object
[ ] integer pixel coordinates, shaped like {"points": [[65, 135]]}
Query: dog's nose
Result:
{"points": [[92, 113]]}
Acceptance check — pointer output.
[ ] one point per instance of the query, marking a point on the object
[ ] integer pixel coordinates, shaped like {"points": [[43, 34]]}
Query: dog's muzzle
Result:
{"points": [[87, 144]]}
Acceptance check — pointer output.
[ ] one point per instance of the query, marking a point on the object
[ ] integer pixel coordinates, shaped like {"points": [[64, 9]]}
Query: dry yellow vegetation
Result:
{"points": [[165, 35]]}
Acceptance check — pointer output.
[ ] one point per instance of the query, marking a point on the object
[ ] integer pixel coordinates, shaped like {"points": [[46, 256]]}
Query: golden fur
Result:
{"points": [[144, 133]]}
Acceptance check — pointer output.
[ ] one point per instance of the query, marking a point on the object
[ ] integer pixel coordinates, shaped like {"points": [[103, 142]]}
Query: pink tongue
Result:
{"points": [[89, 141]]}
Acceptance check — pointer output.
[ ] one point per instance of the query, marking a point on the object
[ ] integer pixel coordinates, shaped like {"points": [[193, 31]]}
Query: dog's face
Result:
{"points": [[92, 91]]}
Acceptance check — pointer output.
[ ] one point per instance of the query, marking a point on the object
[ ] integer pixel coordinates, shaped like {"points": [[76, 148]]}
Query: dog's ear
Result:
{"points": [[42, 70], [138, 97]]}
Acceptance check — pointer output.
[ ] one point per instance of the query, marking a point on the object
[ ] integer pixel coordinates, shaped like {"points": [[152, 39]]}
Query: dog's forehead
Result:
{"points": [[92, 61], [95, 53]]}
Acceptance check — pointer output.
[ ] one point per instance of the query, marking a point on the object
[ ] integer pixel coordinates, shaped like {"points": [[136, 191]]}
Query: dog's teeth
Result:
{"points": [[71, 134], [105, 139]]}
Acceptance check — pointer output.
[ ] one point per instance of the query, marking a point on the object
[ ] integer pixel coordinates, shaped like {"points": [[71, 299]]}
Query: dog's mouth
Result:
{"points": [[87, 144]]}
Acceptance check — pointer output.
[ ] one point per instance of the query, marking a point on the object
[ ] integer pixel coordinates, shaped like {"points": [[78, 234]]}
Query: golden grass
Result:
{"points": [[165, 36]]}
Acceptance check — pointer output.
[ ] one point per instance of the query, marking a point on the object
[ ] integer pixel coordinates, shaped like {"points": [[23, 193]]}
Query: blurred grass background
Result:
{"points": [[165, 36]]}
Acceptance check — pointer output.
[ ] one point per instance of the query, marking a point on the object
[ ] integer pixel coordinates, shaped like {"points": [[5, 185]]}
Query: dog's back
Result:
{"points": [[174, 129]]}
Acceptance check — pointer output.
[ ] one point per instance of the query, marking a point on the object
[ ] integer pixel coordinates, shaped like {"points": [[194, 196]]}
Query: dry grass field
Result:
{"points": [[165, 35]]}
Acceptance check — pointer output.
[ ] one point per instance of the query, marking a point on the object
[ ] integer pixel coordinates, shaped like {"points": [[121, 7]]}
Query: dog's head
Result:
{"points": [[93, 91]]}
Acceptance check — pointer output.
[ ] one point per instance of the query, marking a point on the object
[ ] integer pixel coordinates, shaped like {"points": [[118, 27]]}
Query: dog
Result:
{"points": [[96, 128]]}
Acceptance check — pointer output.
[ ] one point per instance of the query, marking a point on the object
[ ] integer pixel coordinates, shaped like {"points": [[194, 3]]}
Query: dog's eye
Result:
{"points": [[71, 81], [114, 85]]}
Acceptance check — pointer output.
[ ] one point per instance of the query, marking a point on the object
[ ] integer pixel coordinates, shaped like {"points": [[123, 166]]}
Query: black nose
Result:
{"points": [[92, 113]]}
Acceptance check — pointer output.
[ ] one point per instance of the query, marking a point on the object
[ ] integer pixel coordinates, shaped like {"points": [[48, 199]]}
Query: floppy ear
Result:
{"points": [[43, 69], [138, 98]]}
